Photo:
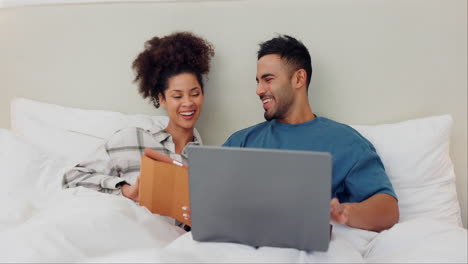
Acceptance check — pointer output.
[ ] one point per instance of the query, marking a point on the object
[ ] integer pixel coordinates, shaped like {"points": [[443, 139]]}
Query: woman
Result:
{"points": [[170, 72]]}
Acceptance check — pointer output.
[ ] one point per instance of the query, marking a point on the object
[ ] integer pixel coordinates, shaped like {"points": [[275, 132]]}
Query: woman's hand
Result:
{"points": [[131, 191], [186, 214]]}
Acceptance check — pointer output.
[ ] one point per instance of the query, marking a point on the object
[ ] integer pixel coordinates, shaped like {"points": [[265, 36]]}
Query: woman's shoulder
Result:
{"points": [[127, 136], [129, 131]]}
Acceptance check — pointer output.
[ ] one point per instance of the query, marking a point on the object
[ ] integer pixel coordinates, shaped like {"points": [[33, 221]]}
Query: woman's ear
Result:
{"points": [[162, 100]]}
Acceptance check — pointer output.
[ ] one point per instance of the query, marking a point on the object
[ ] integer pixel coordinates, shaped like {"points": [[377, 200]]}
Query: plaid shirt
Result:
{"points": [[118, 160]]}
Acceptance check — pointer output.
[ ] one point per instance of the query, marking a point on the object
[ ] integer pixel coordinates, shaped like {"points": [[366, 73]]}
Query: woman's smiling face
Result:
{"points": [[183, 100]]}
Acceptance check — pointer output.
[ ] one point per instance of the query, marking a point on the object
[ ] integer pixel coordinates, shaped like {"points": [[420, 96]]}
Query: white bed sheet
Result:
{"points": [[39, 222], [85, 226]]}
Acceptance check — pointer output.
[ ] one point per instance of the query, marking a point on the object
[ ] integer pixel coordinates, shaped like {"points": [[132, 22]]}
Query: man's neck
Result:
{"points": [[299, 113]]}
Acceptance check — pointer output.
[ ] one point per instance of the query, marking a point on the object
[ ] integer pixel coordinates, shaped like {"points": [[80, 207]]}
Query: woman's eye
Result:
{"points": [[177, 97], [196, 94]]}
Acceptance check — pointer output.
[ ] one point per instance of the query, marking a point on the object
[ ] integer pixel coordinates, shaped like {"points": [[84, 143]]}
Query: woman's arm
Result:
{"points": [[99, 173], [131, 191]]}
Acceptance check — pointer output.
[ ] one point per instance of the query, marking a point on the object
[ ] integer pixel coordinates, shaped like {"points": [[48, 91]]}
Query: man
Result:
{"points": [[363, 196]]}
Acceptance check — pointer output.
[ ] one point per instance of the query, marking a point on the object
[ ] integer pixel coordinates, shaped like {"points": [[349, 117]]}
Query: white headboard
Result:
{"points": [[374, 61]]}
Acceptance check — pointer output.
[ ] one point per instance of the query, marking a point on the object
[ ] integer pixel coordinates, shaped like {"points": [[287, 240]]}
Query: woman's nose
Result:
{"points": [[187, 101]]}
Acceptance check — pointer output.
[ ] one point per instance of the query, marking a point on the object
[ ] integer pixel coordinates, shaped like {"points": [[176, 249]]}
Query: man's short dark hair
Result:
{"points": [[291, 50]]}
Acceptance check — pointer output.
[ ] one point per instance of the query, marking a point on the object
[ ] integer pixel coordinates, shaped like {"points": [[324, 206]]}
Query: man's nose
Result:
{"points": [[260, 89]]}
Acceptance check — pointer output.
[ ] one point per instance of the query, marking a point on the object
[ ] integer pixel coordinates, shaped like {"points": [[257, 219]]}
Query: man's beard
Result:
{"points": [[281, 111]]}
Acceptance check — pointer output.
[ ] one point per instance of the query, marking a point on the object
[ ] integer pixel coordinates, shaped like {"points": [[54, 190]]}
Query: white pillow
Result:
{"points": [[28, 171], [73, 132], [59, 141], [415, 154]]}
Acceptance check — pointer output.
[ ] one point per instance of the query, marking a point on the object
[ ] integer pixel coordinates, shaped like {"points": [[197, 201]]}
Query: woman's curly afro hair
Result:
{"points": [[163, 58]]}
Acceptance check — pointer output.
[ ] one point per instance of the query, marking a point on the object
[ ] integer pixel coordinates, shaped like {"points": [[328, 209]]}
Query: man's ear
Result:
{"points": [[162, 100], [300, 78]]}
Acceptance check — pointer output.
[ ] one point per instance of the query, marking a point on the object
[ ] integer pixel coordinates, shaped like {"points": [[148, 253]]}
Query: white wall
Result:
{"points": [[15, 3], [375, 61]]}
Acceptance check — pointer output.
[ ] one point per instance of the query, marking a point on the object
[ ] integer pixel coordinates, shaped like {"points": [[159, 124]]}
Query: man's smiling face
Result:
{"points": [[274, 86]]}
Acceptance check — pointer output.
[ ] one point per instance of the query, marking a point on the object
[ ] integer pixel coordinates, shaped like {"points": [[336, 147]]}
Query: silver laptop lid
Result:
{"points": [[260, 197]]}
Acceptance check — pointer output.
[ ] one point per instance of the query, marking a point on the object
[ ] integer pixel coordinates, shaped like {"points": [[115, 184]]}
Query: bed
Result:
{"points": [[40, 222]]}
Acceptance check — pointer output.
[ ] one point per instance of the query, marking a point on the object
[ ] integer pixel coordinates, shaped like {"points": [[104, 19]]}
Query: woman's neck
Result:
{"points": [[180, 136]]}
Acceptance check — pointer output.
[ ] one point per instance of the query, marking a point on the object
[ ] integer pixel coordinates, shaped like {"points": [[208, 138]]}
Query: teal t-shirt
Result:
{"points": [[358, 172]]}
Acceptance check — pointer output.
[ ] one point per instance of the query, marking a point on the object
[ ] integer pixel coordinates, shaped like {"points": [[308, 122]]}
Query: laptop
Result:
{"points": [[260, 197]]}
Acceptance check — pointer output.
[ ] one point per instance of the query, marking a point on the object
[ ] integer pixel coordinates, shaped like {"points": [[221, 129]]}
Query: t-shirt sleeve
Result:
{"points": [[228, 142], [367, 177], [232, 141]]}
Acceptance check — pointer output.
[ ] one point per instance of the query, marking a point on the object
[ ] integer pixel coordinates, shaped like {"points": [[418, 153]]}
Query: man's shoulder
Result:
{"points": [[343, 132], [239, 136], [253, 128], [336, 126]]}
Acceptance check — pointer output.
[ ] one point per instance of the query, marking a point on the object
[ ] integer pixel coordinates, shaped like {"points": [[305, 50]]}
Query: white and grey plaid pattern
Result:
{"points": [[118, 160]]}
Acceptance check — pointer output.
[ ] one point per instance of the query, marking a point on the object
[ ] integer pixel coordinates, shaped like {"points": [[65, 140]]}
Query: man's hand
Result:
{"points": [[377, 213], [339, 212], [131, 191]]}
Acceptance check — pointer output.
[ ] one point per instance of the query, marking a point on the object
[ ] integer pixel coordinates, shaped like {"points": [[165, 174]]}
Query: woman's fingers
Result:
{"points": [[137, 183], [186, 213]]}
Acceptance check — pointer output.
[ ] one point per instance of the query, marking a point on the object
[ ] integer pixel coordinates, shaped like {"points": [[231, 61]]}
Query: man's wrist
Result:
{"points": [[349, 211]]}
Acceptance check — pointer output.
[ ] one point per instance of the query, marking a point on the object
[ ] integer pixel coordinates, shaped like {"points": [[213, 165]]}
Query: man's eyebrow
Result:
{"points": [[267, 75]]}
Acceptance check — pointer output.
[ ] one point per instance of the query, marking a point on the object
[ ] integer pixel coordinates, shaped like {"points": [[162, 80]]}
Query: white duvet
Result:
{"points": [[39, 222]]}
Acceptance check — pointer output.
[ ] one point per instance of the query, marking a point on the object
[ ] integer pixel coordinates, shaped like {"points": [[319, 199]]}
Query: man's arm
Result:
{"points": [[377, 213]]}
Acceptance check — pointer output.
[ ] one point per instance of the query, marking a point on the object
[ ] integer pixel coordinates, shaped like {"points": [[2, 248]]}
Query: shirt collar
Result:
{"points": [[162, 136]]}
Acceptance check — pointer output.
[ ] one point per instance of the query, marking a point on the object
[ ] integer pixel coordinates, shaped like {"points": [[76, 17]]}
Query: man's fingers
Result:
{"points": [[334, 201], [339, 215], [334, 205], [338, 212]]}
